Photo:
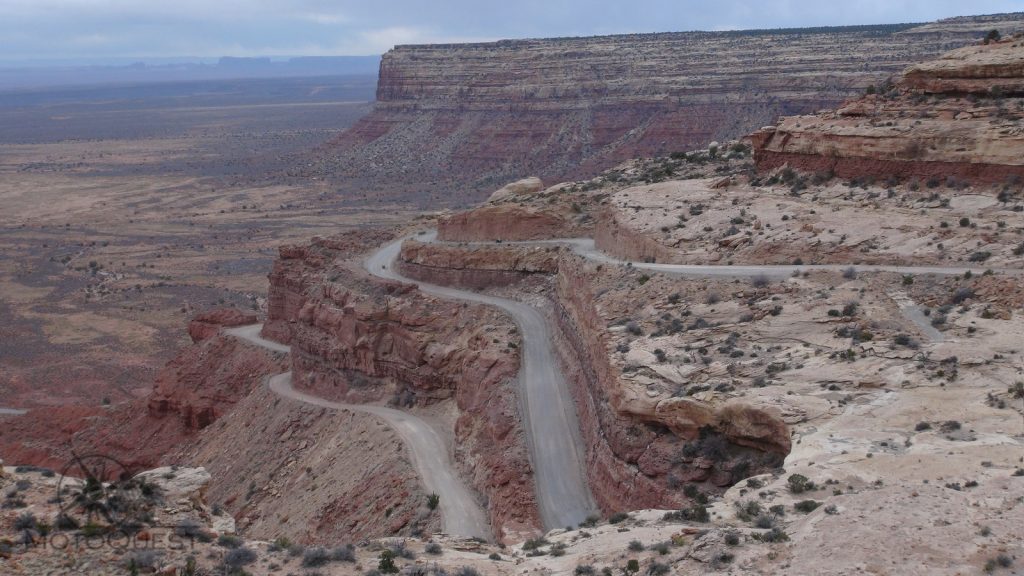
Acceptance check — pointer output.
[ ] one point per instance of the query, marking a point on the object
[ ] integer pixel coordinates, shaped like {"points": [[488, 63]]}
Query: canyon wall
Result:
{"points": [[636, 455], [623, 242], [196, 388], [357, 339], [475, 267], [955, 117], [463, 118]]}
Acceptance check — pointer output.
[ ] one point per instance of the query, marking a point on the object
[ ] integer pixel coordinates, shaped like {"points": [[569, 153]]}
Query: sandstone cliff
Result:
{"points": [[635, 441], [955, 117], [357, 339], [490, 112]]}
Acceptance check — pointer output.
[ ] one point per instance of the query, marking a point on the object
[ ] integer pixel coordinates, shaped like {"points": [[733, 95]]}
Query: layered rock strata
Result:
{"points": [[357, 339], [489, 112], [956, 117], [634, 442]]}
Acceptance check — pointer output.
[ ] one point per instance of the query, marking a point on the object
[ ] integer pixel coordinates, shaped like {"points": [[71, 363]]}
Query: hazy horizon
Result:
{"points": [[119, 32]]}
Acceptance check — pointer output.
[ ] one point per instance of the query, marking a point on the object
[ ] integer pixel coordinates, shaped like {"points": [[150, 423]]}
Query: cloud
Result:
{"points": [[149, 28], [325, 19]]}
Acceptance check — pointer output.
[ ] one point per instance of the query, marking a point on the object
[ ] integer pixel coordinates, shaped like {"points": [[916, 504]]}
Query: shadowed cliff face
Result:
{"points": [[465, 118]]}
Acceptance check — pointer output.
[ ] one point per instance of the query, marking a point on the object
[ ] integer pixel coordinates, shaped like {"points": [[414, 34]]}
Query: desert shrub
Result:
{"points": [[314, 557], [400, 550], [386, 563], [658, 569], [806, 506], [494, 556], [962, 294], [25, 521], [281, 543], [344, 553], [850, 273], [798, 483], [635, 546], [759, 281], [747, 511], [965, 222], [189, 528], [432, 501], [949, 426], [922, 426], [732, 539], [238, 557], [229, 541], [693, 493], [618, 517], [765, 521], [979, 256], [661, 548], [774, 535], [722, 558], [584, 570], [433, 548], [905, 340], [850, 309], [695, 513], [535, 543], [1000, 561]]}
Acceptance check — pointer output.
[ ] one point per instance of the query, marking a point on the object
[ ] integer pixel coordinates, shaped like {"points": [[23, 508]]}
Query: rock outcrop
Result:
{"points": [[201, 384], [476, 267], [502, 222], [958, 117], [357, 339], [207, 324], [625, 430], [628, 431], [464, 116], [517, 189], [206, 380]]}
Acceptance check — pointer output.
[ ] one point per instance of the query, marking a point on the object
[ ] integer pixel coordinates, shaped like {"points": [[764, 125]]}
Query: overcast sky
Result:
{"points": [[100, 29]]}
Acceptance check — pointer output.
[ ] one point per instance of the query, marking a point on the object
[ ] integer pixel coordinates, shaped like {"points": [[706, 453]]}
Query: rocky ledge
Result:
{"points": [[957, 117]]}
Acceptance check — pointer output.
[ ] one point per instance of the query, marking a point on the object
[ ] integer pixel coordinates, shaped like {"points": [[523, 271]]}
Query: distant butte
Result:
{"points": [[462, 119]]}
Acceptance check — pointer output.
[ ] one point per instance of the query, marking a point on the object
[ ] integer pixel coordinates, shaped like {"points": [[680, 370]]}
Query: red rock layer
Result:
{"points": [[208, 324], [195, 388], [633, 448], [562, 108], [907, 133], [475, 267], [502, 222], [354, 338]]}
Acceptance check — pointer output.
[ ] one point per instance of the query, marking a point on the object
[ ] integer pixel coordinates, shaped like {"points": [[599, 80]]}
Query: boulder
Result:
{"points": [[523, 187]]}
